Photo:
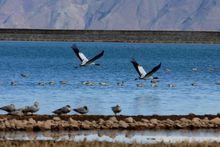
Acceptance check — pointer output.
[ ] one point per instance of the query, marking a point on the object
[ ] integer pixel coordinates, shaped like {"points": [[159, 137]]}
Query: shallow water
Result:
{"points": [[117, 136], [55, 61]]}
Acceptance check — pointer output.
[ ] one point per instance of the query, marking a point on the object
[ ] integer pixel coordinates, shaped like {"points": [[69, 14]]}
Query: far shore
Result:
{"points": [[129, 36]]}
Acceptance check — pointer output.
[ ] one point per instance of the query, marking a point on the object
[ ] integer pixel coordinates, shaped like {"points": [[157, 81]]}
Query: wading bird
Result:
{"points": [[116, 109], [83, 59]]}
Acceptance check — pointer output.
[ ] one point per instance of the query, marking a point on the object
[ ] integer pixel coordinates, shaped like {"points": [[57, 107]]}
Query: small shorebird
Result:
{"points": [[172, 85], [88, 83], [13, 83], [154, 82], [24, 75], [121, 83], [103, 84], [8, 108], [51, 82], [82, 110], [142, 73], [194, 69], [116, 109], [83, 59], [63, 82], [31, 109], [140, 85], [64, 110], [41, 83]]}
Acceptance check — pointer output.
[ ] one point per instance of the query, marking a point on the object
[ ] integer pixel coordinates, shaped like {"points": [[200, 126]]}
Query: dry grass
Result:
{"points": [[100, 144]]}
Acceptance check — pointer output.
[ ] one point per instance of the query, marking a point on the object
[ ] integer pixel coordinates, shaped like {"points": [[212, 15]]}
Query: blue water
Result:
{"points": [[55, 61]]}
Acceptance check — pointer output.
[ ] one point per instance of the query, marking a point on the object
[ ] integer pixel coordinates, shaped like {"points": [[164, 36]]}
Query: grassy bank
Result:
{"points": [[100, 144]]}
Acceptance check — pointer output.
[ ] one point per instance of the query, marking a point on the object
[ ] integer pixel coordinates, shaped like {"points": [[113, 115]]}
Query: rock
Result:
{"points": [[3, 119], [145, 120], [31, 121], [113, 119], [19, 124], [196, 122], [140, 125], [47, 124], [206, 120], [215, 121], [85, 125], [56, 118], [72, 121], [109, 123], [101, 121], [7, 124], [179, 126], [169, 121], [123, 124], [129, 120], [94, 124], [185, 120], [154, 121]]}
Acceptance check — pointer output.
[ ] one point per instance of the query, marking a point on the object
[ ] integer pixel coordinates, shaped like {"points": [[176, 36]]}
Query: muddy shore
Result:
{"points": [[103, 122]]}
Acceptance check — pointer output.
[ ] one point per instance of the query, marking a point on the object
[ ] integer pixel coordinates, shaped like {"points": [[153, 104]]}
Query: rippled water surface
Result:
{"points": [[55, 61], [117, 136]]}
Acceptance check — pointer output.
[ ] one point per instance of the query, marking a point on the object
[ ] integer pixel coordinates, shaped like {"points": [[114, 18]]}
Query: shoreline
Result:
{"points": [[103, 122], [129, 36], [103, 144]]}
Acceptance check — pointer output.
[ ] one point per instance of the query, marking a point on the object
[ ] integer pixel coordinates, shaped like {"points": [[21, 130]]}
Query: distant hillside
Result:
{"points": [[111, 14]]}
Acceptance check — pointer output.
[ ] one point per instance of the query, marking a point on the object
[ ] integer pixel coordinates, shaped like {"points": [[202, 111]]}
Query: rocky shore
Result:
{"points": [[96, 122]]}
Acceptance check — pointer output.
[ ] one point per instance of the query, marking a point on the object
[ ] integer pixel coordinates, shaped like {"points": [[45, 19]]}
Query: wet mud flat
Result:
{"points": [[103, 122], [102, 144]]}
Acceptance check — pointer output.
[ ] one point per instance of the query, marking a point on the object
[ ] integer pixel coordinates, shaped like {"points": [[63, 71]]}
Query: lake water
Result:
{"points": [[144, 137], [55, 61]]}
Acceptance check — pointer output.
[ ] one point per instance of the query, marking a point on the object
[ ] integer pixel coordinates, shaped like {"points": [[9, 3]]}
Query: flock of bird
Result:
{"points": [[29, 110]]}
